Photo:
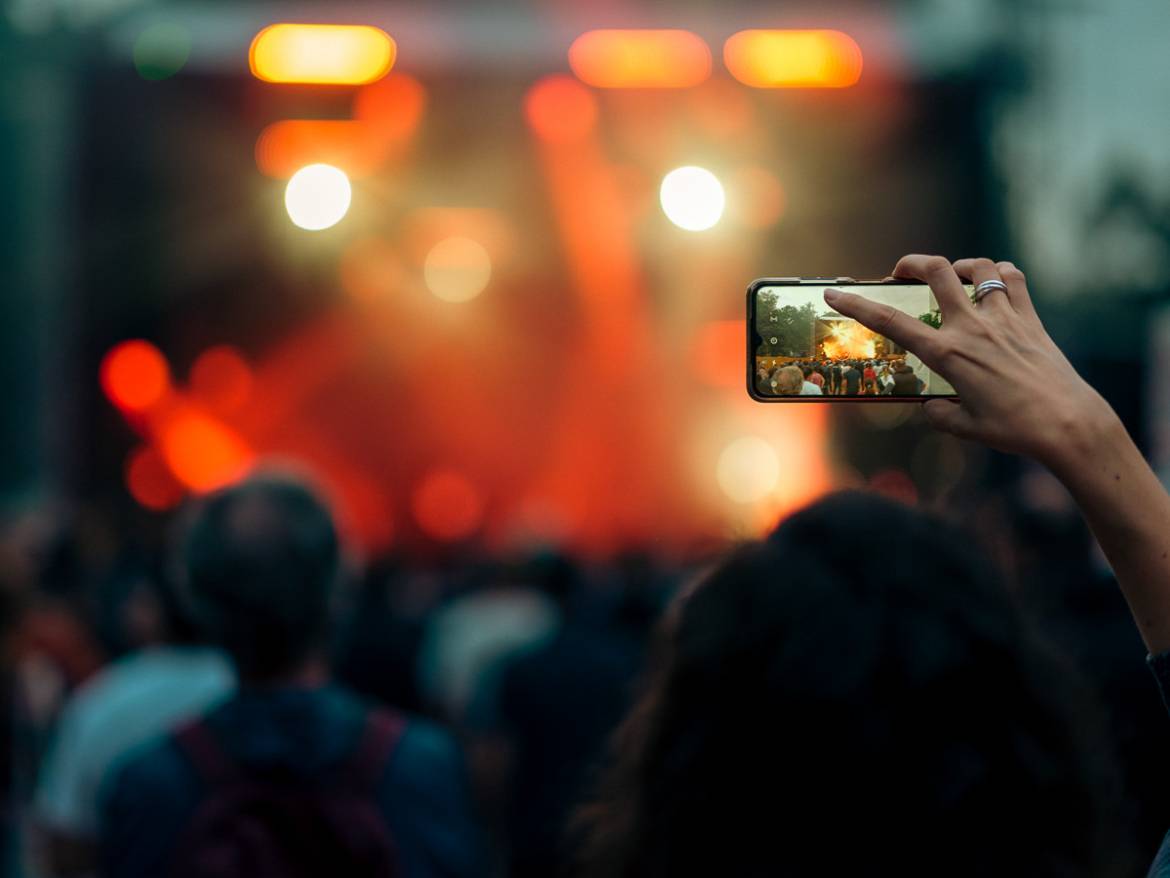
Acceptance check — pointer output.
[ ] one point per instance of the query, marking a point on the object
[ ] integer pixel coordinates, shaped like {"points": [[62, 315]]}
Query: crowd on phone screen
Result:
{"points": [[839, 377], [452, 719]]}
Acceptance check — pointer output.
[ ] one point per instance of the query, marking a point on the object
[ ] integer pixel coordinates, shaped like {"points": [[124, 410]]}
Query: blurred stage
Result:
{"points": [[506, 328]]}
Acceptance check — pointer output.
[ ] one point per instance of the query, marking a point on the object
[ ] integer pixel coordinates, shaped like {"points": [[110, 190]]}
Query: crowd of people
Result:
{"points": [[248, 703], [891, 376], [470, 697]]}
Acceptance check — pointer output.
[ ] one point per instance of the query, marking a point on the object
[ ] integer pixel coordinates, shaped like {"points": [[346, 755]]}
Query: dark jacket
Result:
{"points": [[905, 382]]}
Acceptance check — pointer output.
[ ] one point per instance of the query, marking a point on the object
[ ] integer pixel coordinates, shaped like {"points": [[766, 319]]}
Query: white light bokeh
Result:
{"points": [[692, 198], [748, 469], [457, 269], [317, 197]]}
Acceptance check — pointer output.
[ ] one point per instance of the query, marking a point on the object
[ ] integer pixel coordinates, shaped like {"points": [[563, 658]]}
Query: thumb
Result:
{"points": [[950, 417]]}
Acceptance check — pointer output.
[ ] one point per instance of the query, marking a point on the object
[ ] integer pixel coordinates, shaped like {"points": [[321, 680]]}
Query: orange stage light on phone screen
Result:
{"points": [[640, 58], [793, 58], [322, 54]]}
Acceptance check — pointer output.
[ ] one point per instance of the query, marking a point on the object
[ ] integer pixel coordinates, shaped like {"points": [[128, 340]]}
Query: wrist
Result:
{"points": [[1083, 436]]}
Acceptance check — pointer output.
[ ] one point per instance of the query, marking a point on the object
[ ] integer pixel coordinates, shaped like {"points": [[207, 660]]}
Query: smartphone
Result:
{"points": [[801, 350]]}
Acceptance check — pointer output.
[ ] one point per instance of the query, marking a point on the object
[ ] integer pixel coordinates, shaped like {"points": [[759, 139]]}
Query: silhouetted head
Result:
{"points": [[835, 700], [261, 559]]}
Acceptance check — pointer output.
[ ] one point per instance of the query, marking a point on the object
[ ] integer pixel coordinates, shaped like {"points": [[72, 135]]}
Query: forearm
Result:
{"points": [[1128, 511]]}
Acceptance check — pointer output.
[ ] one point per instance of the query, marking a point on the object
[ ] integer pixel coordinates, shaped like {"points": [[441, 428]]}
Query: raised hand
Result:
{"points": [[1017, 391]]}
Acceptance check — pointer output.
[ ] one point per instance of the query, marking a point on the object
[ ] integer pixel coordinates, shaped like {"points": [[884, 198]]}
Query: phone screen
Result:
{"points": [[803, 348]]}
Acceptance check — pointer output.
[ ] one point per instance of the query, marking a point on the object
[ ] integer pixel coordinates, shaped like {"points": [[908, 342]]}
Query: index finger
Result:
{"points": [[898, 326], [944, 282]]}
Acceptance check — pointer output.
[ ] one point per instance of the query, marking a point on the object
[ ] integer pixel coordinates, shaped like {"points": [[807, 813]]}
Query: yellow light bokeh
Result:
{"points": [[334, 54], [748, 469], [640, 58], [692, 198], [317, 197], [457, 269], [793, 58]]}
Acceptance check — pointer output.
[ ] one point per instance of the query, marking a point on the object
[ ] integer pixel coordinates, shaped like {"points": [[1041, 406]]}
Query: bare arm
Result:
{"points": [[1020, 394], [1129, 513]]}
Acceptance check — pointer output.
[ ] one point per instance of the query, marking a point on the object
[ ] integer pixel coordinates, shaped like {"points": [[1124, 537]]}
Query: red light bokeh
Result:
{"points": [[134, 375], [150, 482], [447, 506], [221, 379]]}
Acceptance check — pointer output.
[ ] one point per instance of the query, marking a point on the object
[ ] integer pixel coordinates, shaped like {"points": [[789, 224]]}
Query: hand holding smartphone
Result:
{"points": [[1018, 392], [800, 349]]}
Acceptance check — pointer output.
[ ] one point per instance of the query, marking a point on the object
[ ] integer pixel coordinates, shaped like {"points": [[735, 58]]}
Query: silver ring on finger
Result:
{"points": [[986, 287]]}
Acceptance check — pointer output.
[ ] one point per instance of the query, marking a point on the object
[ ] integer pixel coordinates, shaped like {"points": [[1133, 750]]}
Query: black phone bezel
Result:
{"points": [[754, 339]]}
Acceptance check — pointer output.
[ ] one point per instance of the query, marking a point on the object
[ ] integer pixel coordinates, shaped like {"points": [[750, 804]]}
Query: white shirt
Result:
{"points": [[810, 389], [127, 704]]}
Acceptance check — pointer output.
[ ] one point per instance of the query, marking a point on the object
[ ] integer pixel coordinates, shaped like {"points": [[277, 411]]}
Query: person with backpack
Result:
{"points": [[292, 776]]}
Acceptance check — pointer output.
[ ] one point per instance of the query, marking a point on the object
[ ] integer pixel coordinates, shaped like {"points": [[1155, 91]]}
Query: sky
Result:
{"points": [[913, 299]]}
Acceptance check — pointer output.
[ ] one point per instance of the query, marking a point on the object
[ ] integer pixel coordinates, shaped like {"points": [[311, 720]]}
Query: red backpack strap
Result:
{"points": [[376, 744], [198, 743]]}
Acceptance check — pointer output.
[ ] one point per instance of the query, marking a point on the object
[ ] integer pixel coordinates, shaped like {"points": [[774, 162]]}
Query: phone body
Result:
{"points": [[790, 325]]}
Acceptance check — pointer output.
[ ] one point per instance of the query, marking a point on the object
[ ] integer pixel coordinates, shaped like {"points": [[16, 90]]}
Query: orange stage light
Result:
{"points": [[220, 377], [134, 375], [392, 108], [330, 54], [447, 506], [386, 114], [286, 147], [793, 58], [150, 482], [201, 452], [560, 109], [718, 353], [640, 58]]}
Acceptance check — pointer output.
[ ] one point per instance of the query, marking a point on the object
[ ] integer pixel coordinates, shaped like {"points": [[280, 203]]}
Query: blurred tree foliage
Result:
{"points": [[786, 331]]}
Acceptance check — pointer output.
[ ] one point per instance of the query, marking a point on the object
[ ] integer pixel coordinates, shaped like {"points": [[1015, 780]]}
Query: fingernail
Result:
{"points": [[832, 295]]}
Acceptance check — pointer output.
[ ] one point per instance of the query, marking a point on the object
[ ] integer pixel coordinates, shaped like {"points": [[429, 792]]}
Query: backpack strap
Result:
{"points": [[377, 742], [198, 744]]}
